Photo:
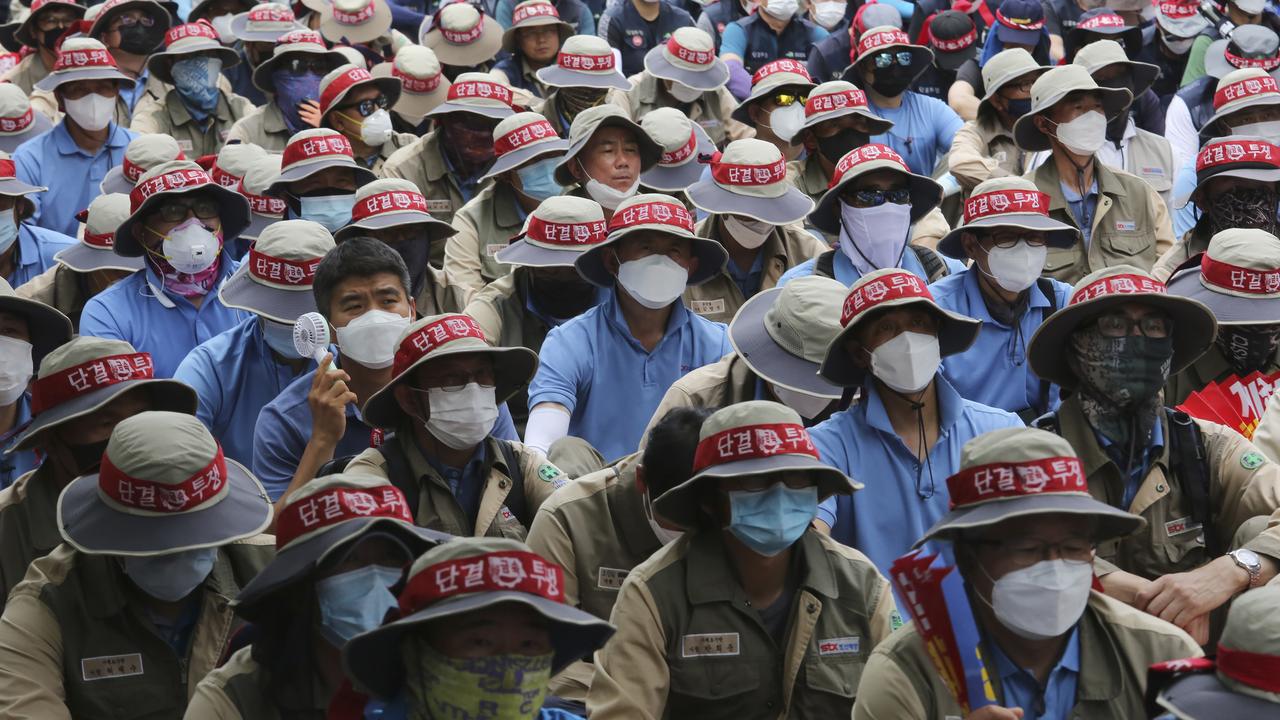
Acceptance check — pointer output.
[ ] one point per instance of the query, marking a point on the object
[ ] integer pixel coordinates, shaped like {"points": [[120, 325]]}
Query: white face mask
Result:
{"points": [[1084, 135], [16, 369], [748, 233], [376, 129], [1044, 600], [908, 362], [279, 337], [222, 25], [874, 238], [782, 9], [809, 406], [665, 536], [462, 418], [173, 576], [828, 14], [683, 93], [191, 247], [1015, 269], [655, 281], [785, 121], [1268, 130], [92, 112], [371, 338], [609, 198]]}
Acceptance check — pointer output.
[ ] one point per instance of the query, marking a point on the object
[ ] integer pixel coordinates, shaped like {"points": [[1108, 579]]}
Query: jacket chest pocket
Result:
{"points": [[827, 688], [711, 687], [507, 525], [1176, 541], [1060, 260], [124, 685], [1126, 238]]}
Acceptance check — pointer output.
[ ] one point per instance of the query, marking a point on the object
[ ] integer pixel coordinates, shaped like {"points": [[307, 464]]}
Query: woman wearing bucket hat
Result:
{"points": [[157, 540], [464, 38], [755, 215], [642, 330], [984, 148], [1006, 233], [357, 104], [909, 426], [751, 586], [179, 223], [584, 71], [607, 154], [319, 177], [533, 40], [635, 27], [464, 623], [291, 80], [40, 31], [526, 151], [775, 107], [18, 121], [1202, 487], [343, 542], [684, 73], [26, 250], [1051, 647]]}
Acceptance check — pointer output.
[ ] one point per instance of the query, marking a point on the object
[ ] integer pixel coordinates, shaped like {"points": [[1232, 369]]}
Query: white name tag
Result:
{"points": [[185, 145], [1181, 526], [444, 205], [1126, 225], [610, 578], [709, 645], [111, 666], [839, 646], [707, 307], [493, 248]]}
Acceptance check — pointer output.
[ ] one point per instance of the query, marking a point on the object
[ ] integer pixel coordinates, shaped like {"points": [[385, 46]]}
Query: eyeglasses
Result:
{"points": [[794, 481], [369, 106], [49, 22], [785, 99], [1027, 552], [1022, 84], [1118, 325], [885, 59], [177, 210], [145, 21], [303, 65], [1007, 240], [874, 198]]}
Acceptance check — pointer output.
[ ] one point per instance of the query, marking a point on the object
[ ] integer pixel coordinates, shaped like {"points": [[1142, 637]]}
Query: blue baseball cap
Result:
{"points": [[1020, 22]]}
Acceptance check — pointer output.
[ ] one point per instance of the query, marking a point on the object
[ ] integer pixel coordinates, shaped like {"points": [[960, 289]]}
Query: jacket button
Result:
{"points": [[1160, 488], [502, 484], [812, 608]]}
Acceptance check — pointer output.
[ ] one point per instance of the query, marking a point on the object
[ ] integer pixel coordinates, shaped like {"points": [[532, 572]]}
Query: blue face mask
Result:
{"points": [[1018, 107], [196, 79], [279, 337], [538, 181], [8, 230], [173, 576], [771, 520], [292, 89], [355, 602], [331, 211]]}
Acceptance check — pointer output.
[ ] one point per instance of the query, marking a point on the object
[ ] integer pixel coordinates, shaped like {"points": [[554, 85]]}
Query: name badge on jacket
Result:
{"points": [[111, 666]]}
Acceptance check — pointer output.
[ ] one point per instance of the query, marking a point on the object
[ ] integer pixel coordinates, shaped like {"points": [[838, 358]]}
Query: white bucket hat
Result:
{"points": [[926, 194], [177, 178], [683, 142], [140, 155], [521, 139], [1181, 18], [339, 82], [18, 122], [585, 61], [836, 99], [264, 23], [423, 85], [773, 76], [294, 42], [750, 178], [355, 21], [189, 39], [392, 202], [310, 151], [98, 237], [1013, 202], [461, 35], [479, 94], [1237, 90], [534, 13], [689, 58], [232, 161], [265, 210], [659, 213], [1003, 68], [275, 279], [557, 231], [1238, 278], [82, 58]]}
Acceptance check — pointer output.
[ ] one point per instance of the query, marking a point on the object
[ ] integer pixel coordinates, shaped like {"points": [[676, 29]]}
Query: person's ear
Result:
{"points": [[575, 169], [1042, 123], [611, 261], [409, 404], [413, 308], [969, 243]]}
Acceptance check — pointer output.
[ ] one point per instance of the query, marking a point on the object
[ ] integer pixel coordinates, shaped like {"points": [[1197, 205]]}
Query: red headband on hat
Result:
{"points": [[458, 37], [388, 202], [1178, 10], [64, 385], [8, 170], [355, 18], [682, 153], [751, 442], [1233, 152], [780, 66], [198, 29], [881, 38], [533, 10], [335, 505], [341, 84], [894, 286], [222, 177], [1021, 23], [132, 171], [270, 14], [958, 44], [434, 336], [185, 179], [317, 146], [1118, 285], [76, 59], [415, 84], [300, 36], [1241, 62], [1004, 202], [506, 571], [105, 241], [1265, 85], [1101, 20], [867, 153], [18, 123], [566, 234], [652, 213], [588, 63], [534, 132], [694, 57], [482, 89], [1253, 669], [281, 271], [158, 497], [827, 102], [1017, 479], [39, 4], [262, 204], [737, 174], [1239, 279]]}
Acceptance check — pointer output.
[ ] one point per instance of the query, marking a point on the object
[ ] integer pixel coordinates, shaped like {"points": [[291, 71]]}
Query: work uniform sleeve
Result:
{"points": [[561, 371], [734, 129], [196, 371], [369, 462], [1247, 484], [541, 476], [1169, 261], [885, 692], [97, 320], [146, 120], [969, 161], [1161, 222], [1268, 542], [462, 256], [675, 397], [31, 686], [39, 288], [886, 616], [930, 229], [277, 448], [1267, 435], [210, 702], [549, 537], [632, 677], [483, 308]]}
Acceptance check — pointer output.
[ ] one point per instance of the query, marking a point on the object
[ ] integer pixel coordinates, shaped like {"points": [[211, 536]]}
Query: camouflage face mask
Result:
{"points": [[1120, 381]]}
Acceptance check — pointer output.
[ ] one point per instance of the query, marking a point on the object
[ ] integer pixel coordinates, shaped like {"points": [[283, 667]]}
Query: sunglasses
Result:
{"points": [[886, 59], [177, 210], [369, 106], [304, 65], [786, 99], [874, 198]]}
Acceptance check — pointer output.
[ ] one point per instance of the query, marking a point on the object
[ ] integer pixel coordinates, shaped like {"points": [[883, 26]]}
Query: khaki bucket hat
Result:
{"points": [[462, 576], [1007, 202], [82, 58], [682, 142], [1194, 326], [1240, 89], [264, 209], [1003, 68], [659, 213], [1017, 472], [756, 437], [98, 237], [1240, 156], [309, 152], [479, 94], [140, 155], [335, 86], [190, 39], [275, 279], [771, 77], [559, 230], [462, 35], [179, 178], [1238, 278], [233, 161], [926, 194], [689, 58], [750, 178], [264, 23], [521, 139], [355, 21], [308, 42], [423, 85], [585, 61], [836, 99], [440, 336], [1050, 88], [782, 334], [47, 327], [534, 13], [1103, 53], [164, 486], [882, 290], [18, 122], [584, 127], [392, 202], [22, 33]]}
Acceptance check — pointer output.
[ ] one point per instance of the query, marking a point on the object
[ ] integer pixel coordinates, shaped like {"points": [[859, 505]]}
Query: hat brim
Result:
{"points": [[161, 64], [40, 124], [1228, 309], [1203, 695], [258, 223], [388, 86], [1207, 131], [372, 29], [234, 216], [711, 255], [509, 35], [956, 333], [789, 207], [53, 81], [1194, 329], [373, 662], [84, 259], [13, 187], [751, 340], [742, 114], [528, 153], [492, 112], [513, 369], [158, 10], [876, 124], [92, 526], [926, 194], [650, 151], [242, 292], [414, 105], [712, 78], [115, 182], [1187, 27], [484, 49], [47, 328], [302, 172], [262, 73], [168, 395], [435, 229], [953, 60], [240, 28], [1017, 36], [1029, 137], [525, 254], [677, 178], [558, 77], [1112, 522], [1058, 234], [1215, 61]]}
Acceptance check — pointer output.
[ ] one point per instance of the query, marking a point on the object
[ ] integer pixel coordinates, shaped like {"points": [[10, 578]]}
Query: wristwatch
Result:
{"points": [[1249, 562]]}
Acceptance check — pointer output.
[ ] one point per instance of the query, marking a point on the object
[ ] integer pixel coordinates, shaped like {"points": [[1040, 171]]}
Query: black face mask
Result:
{"points": [[416, 254], [837, 146], [891, 81], [1245, 207], [50, 39], [88, 456], [139, 40], [561, 299], [1248, 347]]}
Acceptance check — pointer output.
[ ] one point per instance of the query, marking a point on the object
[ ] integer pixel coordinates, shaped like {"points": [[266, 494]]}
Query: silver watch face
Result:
{"points": [[1248, 558]]}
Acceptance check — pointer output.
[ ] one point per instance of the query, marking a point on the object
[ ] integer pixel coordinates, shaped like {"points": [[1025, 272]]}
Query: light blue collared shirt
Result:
{"points": [[846, 273], [748, 281], [36, 248], [14, 465], [1056, 699], [1150, 451], [53, 160], [131, 95], [923, 128], [1082, 208]]}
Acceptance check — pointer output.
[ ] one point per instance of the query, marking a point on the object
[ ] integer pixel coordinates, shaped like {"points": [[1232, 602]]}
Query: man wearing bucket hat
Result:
{"points": [[635, 27], [526, 151], [1178, 23], [443, 399], [449, 164], [18, 121], [584, 72], [256, 31], [542, 290], [828, 58], [131, 30], [343, 542], [143, 153], [779, 337], [26, 249], [264, 210], [755, 215], [533, 40], [1051, 647], [422, 87], [1202, 487], [463, 623], [319, 177], [29, 330], [69, 427], [602, 525], [179, 224], [684, 73], [393, 211], [1235, 15], [909, 426], [238, 371], [776, 30], [88, 267], [576, 13], [197, 112], [607, 153], [291, 80], [1120, 217], [464, 38], [85, 144], [356, 104], [637, 341], [682, 142], [775, 107], [984, 148], [750, 589], [1102, 23], [1006, 232], [157, 542], [40, 31]]}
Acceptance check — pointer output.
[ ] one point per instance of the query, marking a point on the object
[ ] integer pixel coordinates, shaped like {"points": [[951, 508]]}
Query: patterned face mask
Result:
{"points": [[1244, 208], [1248, 347], [512, 687], [1120, 381]]}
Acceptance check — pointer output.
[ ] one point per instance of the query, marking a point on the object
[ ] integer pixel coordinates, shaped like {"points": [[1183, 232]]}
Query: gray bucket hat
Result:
{"points": [[521, 139], [1239, 156], [190, 39], [140, 155], [461, 35], [164, 487], [1181, 18], [1255, 46], [1102, 53], [559, 230], [654, 212], [755, 437], [682, 142], [585, 125], [1007, 202], [265, 209], [309, 152], [392, 202], [264, 23], [771, 77], [1017, 472], [233, 161], [294, 42], [18, 121], [323, 520], [82, 58], [534, 13], [433, 592], [926, 194], [275, 279], [882, 290], [479, 94], [782, 334], [585, 61], [1237, 279], [688, 57], [1237, 90], [838, 98], [1050, 88], [1003, 68], [179, 178], [750, 179], [98, 237], [47, 328]]}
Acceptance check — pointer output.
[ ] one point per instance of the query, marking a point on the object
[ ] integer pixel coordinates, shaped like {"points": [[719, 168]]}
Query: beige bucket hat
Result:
{"points": [[1240, 89], [82, 58], [41, 7], [534, 13], [559, 230], [1237, 278], [294, 42], [1103, 53], [392, 202], [275, 279], [1007, 202], [521, 139], [1003, 68], [179, 178], [782, 334], [926, 194], [461, 35], [659, 213], [18, 122], [770, 77], [98, 236], [339, 82], [264, 209], [355, 21], [140, 155], [100, 16], [837, 98], [1241, 156], [479, 94], [588, 122], [585, 61], [1054, 85], [264, 23], [309, 152], [689, 58], [232, 162], [750, 178], [423, 85], [682, 142], [190, 39]]}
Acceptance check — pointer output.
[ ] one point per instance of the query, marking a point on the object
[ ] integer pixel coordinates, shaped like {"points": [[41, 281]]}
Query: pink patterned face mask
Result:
{"points": [[187, 285]]}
